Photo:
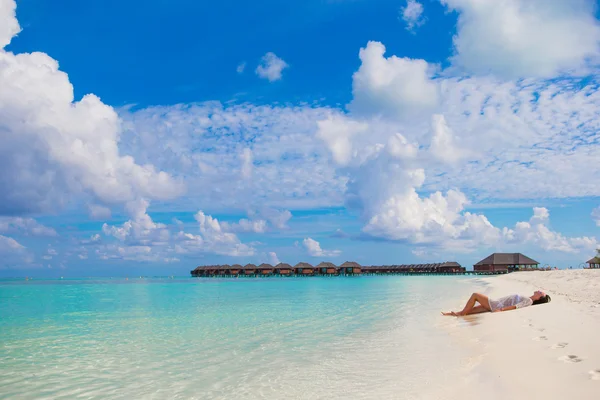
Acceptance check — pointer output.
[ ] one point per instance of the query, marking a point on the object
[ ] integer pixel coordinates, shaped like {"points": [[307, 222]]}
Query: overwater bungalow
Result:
{"points": [[249, 269], [350, 268], [266, 269], [303, 268], [284, 269], [326, 268], [506, 262], [235, 269]]}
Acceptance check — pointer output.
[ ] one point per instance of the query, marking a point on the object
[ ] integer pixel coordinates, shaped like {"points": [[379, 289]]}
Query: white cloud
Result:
{"points": [[520, 38], [392, 86], [337, 132], [273, 259], [241, 67], [271, 67], [412, 14], [443, 144], [140, 229], [203, 143], [25, 226], [212, 239], [55, 147], [9, 26], [99, 212], [13, 254], [596, 215], [9, 245], [314, 249], [536, 232], [247, 163], [246, 225]]}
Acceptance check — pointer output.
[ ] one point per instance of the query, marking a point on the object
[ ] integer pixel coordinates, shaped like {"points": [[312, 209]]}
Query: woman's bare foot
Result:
{"points": [[450, 314]]}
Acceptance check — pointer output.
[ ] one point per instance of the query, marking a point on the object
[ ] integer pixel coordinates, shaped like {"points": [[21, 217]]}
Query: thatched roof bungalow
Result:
{"points": [[303, 268], [350, 267], [235, 269], [327, 268], [249, 269], [284, 269], [265, 269]]}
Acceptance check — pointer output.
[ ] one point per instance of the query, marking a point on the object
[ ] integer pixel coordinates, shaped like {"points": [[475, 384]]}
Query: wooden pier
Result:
{"points": [[348, 268]]}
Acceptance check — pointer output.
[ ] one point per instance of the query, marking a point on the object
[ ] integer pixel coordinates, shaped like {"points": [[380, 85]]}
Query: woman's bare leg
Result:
{"points": [[470, 307], [478, 310], [475, 298]]}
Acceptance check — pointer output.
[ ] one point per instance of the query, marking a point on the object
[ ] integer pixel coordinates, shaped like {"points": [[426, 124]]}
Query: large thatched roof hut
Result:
{"points": [[504, 262], [350, 267]]}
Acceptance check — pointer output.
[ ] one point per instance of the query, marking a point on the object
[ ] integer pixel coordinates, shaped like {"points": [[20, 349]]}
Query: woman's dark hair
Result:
{"points": [[542, 300]]}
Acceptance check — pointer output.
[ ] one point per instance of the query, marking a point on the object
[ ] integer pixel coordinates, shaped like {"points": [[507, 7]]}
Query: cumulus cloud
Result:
{"points": [[25, 226], [412, 15], [314, 249], [55, 147], [443, 144], [9, 27], [212, 238], [140, 229], [392, 86], [337, 132], [537, 232], [521, 38], [271, 67]]}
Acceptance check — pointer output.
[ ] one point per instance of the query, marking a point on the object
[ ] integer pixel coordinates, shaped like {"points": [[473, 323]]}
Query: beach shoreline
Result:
{"points": [[547, 351]]}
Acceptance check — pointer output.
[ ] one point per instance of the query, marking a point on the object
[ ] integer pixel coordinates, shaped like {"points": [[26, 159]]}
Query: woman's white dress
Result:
{"points": [[512, 300]]}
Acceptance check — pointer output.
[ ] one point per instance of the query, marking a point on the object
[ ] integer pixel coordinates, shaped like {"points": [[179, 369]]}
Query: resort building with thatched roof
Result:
{"points": [[265, 269], [505, 262], [235, 269], [350, 268], [303, 268], [594, 262], [249, 269], [284, 269], [327, 268]]}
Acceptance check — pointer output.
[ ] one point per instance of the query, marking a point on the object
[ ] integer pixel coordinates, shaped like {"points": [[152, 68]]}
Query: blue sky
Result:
{"points": [[150, 137]]}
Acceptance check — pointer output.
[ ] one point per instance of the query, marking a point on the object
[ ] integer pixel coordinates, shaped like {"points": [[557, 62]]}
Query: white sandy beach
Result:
{"points": [[548, 351]]}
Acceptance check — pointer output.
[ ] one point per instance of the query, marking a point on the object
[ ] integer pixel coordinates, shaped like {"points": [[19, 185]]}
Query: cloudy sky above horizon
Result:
{"points": [[151, 137]]}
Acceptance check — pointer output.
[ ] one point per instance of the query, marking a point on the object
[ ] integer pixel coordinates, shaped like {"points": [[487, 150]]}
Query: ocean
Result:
{"points": [[248, 338]]}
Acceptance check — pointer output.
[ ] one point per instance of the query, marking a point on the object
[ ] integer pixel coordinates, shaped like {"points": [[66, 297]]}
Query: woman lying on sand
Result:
{"points": [[502, 304]]}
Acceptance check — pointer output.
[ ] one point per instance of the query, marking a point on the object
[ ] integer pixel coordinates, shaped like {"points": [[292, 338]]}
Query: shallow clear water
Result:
{"points": [[360, 337]]}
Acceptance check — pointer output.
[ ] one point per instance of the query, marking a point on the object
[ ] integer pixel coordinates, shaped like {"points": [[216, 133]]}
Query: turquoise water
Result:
{"points": [[360, 337]]}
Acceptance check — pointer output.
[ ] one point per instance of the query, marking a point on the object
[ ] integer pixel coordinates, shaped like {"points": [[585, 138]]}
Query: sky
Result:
{"points": [[146, 138]]}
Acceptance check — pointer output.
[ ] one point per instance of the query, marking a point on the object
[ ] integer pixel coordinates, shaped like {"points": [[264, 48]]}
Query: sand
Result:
{"points": [[548, 351]]}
